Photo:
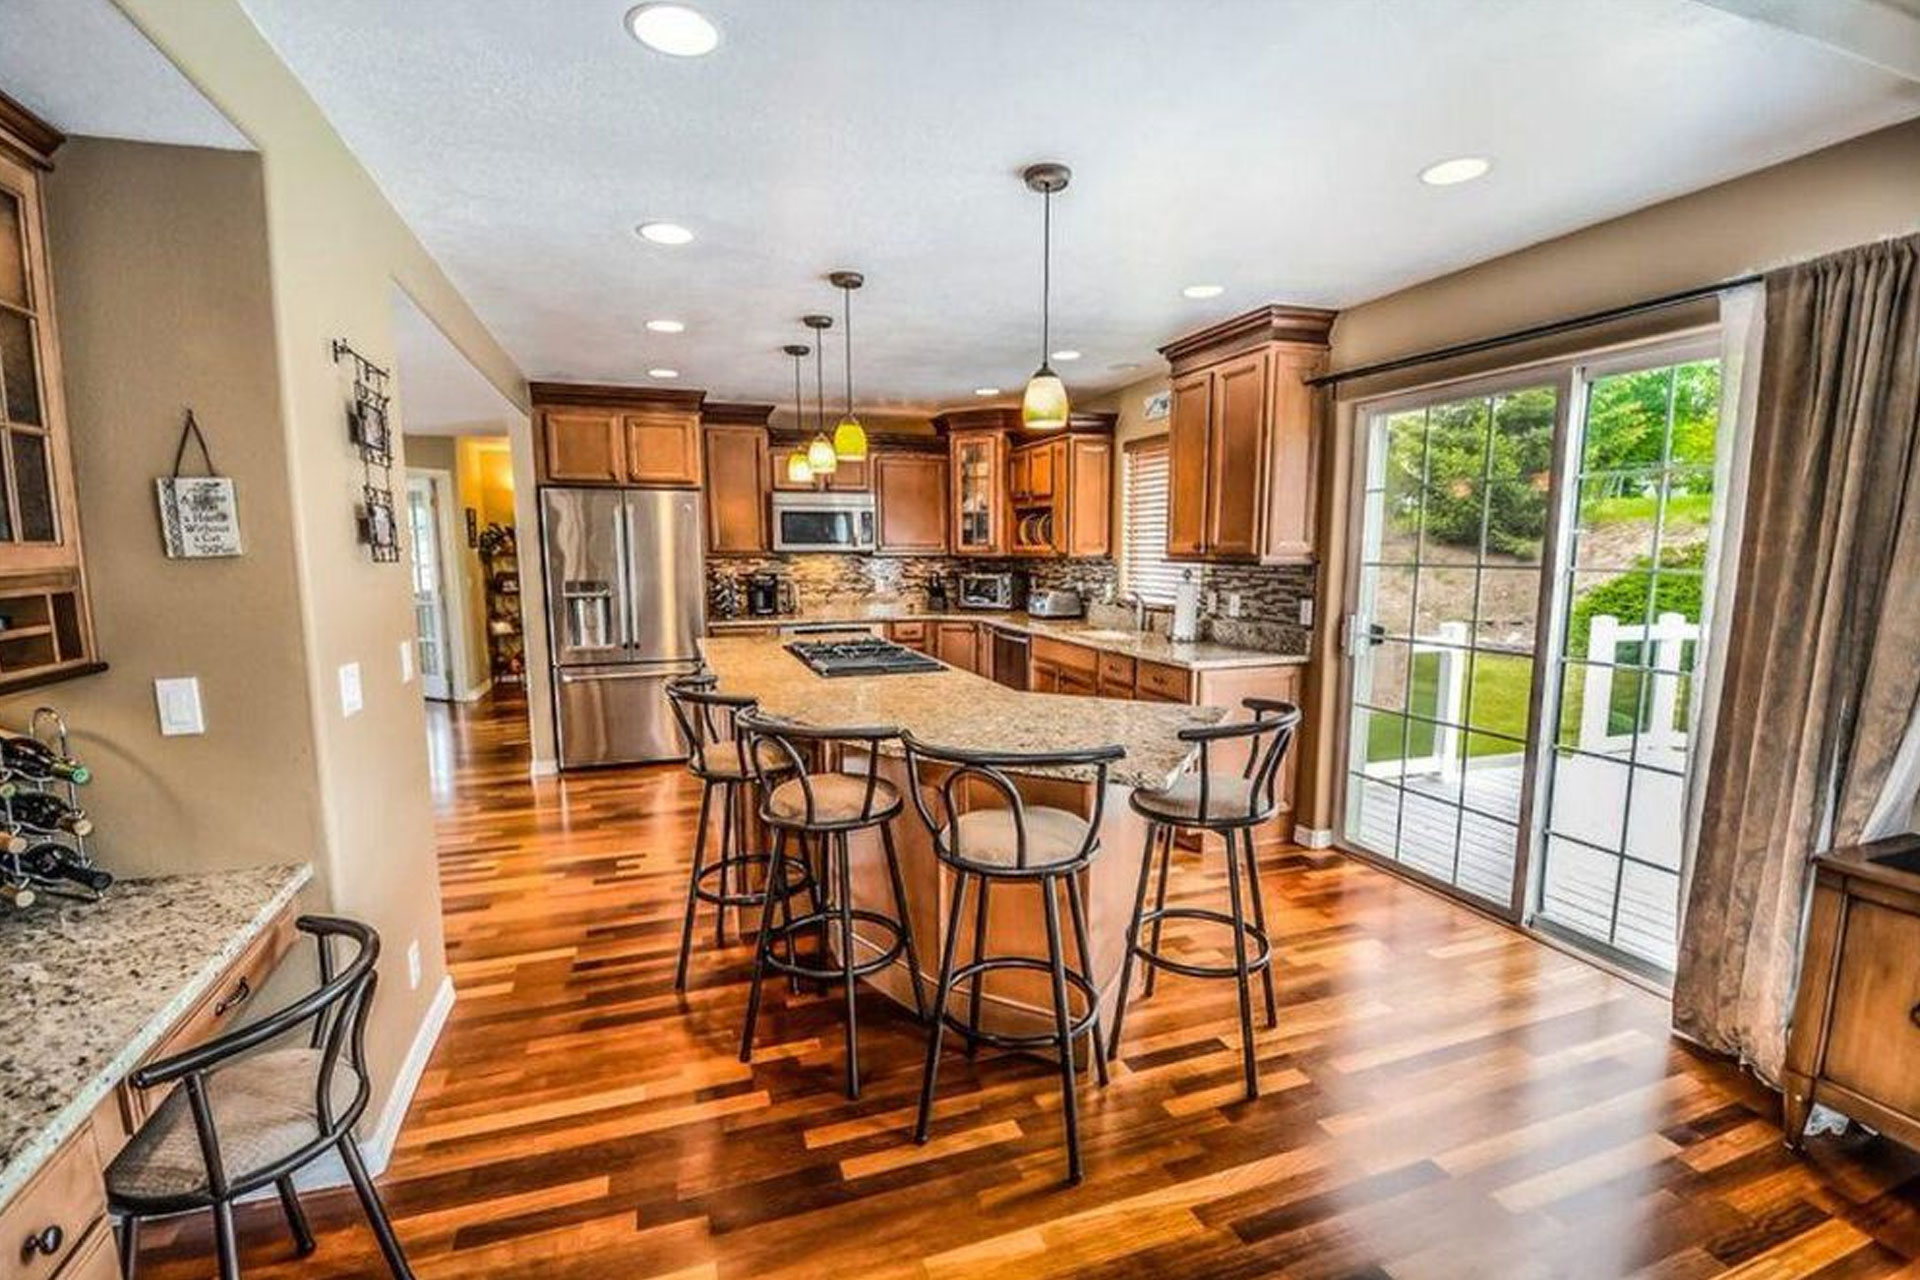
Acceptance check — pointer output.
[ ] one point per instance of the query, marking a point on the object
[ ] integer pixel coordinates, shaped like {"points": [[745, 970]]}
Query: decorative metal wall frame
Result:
{"points": [[371, 430]]}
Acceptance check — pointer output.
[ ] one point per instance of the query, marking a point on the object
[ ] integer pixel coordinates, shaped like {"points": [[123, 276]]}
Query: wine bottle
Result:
{"points": [[35, 760], [19, 895], [44, 811], [57, 862]]}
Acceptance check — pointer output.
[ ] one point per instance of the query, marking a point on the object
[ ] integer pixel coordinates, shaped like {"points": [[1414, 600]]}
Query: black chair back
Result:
{"points": [[1266, 737], [779, 749], [707, 719], [989, 768]]}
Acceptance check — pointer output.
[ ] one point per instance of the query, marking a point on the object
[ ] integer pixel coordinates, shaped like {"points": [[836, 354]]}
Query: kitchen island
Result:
{"points": [[957, 708]]}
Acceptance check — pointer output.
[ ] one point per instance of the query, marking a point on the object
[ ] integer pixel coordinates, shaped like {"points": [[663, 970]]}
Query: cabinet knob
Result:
{"points": [[46, 1242], [233, 999], [1913, 1015]]}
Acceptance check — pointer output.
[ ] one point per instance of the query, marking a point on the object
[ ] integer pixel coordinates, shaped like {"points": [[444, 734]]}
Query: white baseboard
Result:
{"points": [[476, 693], [1313, 837], [376, 1144], [545, 769]]}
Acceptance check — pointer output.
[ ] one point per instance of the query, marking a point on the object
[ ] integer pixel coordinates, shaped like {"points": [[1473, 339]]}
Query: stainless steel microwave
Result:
{"points": [[988, 591], [823, 522]]}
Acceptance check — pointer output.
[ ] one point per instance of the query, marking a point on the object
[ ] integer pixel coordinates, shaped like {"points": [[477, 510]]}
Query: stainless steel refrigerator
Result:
{"points": [[626, 606]]}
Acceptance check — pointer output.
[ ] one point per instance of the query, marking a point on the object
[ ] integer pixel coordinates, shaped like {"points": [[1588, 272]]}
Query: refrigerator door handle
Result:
{"points": [[623, 559], [627, 673]]}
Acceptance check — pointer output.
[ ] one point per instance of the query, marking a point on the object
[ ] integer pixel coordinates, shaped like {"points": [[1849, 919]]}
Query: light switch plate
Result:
{"points": [[350, 698], [1306, 611], [406, 662], [178, 700]]}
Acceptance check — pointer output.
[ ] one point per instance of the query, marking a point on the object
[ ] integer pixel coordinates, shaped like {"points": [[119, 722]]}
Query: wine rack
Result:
{"points": [[44, 831]]}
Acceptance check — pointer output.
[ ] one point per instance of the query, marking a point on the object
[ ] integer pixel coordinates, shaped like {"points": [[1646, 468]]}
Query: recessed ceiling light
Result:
{"points": [[673, 29], [1123, 365], [1203, 291], [986, 391], [663, 373], [1065, 355], [664, 232], [1448, 173], [666, 326]]}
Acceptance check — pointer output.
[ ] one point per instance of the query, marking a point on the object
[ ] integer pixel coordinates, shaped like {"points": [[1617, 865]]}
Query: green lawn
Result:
{"points": [[1496, 711]]}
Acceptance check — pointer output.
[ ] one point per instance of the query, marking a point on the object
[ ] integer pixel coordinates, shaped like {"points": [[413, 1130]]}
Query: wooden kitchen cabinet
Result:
{"points": [[736, 466], [910, 502], [911, 634], [609, 435], [1061, 495], [978, 497], [1854, 1043], [46, 618], [957, 644], [1244, 437]]}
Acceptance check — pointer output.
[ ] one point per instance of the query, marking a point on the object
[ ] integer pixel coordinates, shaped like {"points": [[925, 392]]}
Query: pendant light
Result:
{"points": [[799, 470], [820, 454], [849, 437], [1044, 407]]}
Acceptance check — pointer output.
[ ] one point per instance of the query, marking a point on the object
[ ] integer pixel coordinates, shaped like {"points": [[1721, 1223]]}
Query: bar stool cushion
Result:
{"points": [[989, 837], [723, 759], [1227, 799], [263, 1111], [837, 797]]}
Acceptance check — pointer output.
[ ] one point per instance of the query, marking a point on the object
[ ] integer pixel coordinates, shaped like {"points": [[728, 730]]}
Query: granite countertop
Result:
{"points": [[959, 709], [1202, 655], [90, 988]]}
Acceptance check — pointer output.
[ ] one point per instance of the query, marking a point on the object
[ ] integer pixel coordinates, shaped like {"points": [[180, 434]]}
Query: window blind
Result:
{"points": [[1145, 570]]}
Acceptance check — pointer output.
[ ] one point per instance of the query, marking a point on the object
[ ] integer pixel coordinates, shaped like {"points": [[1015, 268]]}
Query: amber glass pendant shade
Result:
{"points": [[1044, 407]]}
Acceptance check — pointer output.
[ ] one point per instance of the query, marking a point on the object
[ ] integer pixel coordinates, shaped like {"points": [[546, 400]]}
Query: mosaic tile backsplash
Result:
{"points": [[1270, 595]]}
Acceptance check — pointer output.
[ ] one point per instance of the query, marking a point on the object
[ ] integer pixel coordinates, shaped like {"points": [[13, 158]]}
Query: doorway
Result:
{"points": [[1524, 620], [429, 589]]}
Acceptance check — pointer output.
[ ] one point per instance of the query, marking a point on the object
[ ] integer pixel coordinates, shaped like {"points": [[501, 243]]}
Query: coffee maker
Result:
{"points": [[763, 594]]}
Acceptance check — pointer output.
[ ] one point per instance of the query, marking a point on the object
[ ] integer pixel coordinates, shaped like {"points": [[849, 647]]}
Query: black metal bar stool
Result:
{"points": [[825, 808], [716, 752], [1031, 844], [1232, 807]]}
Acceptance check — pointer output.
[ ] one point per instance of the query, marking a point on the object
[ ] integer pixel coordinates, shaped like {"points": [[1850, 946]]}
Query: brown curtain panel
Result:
{"points": [[1823, 649]]}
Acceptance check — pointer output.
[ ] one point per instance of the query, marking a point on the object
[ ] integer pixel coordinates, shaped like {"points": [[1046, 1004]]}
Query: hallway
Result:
{"points": [[1444, 1097]]}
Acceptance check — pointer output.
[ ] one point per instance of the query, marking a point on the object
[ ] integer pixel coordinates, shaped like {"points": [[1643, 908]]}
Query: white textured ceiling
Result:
{"points": [[1267, 145], [439, 392], [84, 68]]}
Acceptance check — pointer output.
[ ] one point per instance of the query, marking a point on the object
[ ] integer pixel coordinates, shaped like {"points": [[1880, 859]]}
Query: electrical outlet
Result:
{"points": [[406, 662], [1233, 604], [351, 700], [1306, 611], [413, 964]]}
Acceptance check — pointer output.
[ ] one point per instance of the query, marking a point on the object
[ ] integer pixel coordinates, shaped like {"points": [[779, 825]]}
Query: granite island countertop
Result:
{"points": [[91, 987], [960, 709], [1151, 646]]}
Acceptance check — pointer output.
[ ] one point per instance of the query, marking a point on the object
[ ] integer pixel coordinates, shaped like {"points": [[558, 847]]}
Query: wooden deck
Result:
{"points": [[1444, 1098]]}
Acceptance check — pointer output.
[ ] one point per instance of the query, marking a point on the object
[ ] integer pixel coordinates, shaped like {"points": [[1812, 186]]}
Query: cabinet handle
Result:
{"points": [[1913, 1015], [46, 1242], [237, 997]]}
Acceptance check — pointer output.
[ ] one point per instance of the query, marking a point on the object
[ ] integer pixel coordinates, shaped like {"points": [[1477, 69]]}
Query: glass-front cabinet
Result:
{"points": [[46, 630], [979, 503]]}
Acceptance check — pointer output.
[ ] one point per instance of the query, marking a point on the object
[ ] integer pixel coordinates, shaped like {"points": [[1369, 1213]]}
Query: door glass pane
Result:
{"points": [[34, 484], [19, 374], [13, 251], [1632, 596], [1454, 518]]}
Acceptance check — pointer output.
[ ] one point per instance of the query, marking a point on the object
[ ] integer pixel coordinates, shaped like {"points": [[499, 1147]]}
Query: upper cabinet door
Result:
{"points": [[910, 497], [736, 497], [1187, 450], [584, 446], [36, 507], [1237, 457], [978, 493], [851, 476], [663, 447], [1089, 504], [1293, 476]]}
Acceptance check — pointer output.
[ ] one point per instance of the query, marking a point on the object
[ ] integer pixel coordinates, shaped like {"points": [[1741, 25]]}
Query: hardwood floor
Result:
{"points": [[1444, 1097]]}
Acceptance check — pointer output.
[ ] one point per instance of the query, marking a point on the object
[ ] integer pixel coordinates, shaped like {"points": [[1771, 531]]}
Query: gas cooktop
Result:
{"points": [[864, 656]]}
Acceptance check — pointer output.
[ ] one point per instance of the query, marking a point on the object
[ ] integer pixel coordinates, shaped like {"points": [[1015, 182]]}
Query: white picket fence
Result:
{"points": [[1669, 635]]}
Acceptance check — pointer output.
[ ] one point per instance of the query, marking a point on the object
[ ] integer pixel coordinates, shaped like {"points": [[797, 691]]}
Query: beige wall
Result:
{"points": [[1858, 191], [336, 249], [1130, 402], [161, 281]]}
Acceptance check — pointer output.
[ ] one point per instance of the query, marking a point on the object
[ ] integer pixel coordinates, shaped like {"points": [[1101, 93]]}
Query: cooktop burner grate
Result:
{"points": [[866, 656]]}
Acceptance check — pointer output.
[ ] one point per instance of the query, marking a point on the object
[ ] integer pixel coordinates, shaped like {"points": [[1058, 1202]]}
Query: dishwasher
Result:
{"points": [[1010, 658]]}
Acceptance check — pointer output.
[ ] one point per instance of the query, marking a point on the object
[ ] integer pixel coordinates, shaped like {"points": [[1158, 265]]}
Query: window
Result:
{"points": [[1145, 570]]}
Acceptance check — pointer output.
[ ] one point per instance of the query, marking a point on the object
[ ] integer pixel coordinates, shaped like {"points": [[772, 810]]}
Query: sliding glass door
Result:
{"points": [[1523, 626]]}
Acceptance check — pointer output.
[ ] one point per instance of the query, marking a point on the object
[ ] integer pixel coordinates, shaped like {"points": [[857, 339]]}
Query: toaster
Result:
{"points": [[1055, 604]]}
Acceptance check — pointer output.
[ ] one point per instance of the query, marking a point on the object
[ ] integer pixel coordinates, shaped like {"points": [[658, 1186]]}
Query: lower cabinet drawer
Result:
{"points": [[1167, 684], [907, 632], [41, 1227], [1068, 657], [97, 1258], [1116, 672]]}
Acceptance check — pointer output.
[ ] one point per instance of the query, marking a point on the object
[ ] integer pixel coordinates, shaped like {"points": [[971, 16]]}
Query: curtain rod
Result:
{"points": [[1547, 330]]}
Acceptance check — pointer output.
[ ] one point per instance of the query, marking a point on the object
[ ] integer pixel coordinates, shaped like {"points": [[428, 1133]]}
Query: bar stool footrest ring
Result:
{"points": [[750, 897], [789, 932], [1076, 1027], [1262, 947]]}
